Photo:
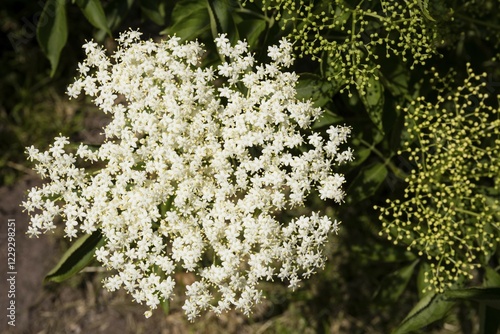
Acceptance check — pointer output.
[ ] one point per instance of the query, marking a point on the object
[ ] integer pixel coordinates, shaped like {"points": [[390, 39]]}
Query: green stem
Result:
{"points": [[400, 174], [270, 20], [374, 15], [466, 212], [353, 26]]}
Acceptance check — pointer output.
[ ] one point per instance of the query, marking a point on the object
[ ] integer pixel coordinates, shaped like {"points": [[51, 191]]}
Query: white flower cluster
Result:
{"points": [[195, 169]]}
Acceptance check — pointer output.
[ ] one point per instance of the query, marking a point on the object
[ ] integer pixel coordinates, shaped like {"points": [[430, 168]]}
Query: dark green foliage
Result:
{"points": [[77, 257]]}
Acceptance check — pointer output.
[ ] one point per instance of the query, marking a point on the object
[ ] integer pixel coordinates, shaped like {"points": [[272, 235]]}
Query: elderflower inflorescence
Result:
{"points": [[196, 166], [450, 212], [350, 38]]}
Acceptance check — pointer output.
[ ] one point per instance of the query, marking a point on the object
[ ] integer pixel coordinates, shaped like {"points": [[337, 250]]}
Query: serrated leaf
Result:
{"points": [[373, 100], [52, 31], [366, 183], [430, 308], [93, 11], [76, 257], [394, 284], [190, 19]]}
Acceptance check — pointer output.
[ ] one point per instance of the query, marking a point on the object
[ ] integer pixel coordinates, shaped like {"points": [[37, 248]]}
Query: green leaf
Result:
{"points": [[478, 294], [222, 11], [395, 76], [313, 87], [492, 202], [190, 19], [221, 14], [491, 278], [489, 319], [373, 101], [117, 10], [430, 308], [378, 252], [366, 183], [422, 285], [165, 306], [76, 257], [489, 304], [423, 4], [250, 29], [327, 118], [167, 206], [93, 11], [52, 31], [363, 140], [394, 126], [154, 10], [394, 284], [360, 155]]}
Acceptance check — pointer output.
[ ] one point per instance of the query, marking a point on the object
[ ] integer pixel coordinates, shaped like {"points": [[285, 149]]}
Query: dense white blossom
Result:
{"points": [[196, 165]]}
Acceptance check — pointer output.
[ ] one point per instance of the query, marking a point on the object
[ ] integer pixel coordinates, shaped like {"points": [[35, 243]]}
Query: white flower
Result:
{"points": [[191, 171]]}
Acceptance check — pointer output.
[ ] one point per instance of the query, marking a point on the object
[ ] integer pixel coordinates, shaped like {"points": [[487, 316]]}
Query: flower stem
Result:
{"points": [[387, 161]]}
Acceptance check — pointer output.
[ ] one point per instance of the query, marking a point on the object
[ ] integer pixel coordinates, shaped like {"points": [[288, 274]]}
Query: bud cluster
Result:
{"points": [[450, 211], [352, 38]]}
